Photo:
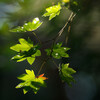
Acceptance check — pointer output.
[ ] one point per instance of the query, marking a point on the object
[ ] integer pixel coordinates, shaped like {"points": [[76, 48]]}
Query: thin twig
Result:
{"points": [[67, 36], [61, 31], [69, 28], [55, 63], [44, 62], [72, 15], [37, 37], [41, 67]]}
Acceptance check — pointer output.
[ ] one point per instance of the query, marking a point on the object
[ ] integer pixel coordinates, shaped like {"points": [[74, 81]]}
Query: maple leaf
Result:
{"points": [[41, 76], [29, 80]]}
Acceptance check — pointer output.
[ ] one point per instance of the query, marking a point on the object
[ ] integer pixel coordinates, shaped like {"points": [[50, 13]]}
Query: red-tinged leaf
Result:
{"points": [[41, 76]]}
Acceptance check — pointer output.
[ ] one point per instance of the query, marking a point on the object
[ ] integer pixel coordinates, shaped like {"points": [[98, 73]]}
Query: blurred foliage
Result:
{"points": [[53, 11], [66, 72]]}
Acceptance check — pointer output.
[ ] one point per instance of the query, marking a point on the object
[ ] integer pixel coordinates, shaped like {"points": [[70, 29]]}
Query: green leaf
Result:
{"points": [[66, 1], [20, 59], [53, 11], [30, 60], [26, 50], [58, 45], [56, 55], [58, 51], [30, 26], [17, 57], [26, 89], [38, 53], [30, 73], [48, 51], [66, 72], [30, 81], [20, 85], [23, 77], [23, 46]]}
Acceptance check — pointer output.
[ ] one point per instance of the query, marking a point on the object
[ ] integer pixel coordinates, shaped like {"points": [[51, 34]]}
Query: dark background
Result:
{"points": [[84, 41]]}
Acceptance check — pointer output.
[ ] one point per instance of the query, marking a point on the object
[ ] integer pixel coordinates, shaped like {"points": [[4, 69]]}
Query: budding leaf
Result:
{"points": [[53, 11], [30, 81], [30, 26], [26, 50], [65, 74]]}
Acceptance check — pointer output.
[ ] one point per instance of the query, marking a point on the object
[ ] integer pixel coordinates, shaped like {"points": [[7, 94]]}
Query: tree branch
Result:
{"points": [[44, 62], [61, 31]]}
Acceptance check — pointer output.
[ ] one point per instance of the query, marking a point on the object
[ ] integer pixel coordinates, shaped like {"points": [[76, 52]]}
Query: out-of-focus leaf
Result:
{"points": [[53, 11], [66, 1], [66, 72]]}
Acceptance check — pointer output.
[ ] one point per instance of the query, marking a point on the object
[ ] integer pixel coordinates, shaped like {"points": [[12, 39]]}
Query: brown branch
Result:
{"points": [[69, 28], [72, 15], [41, 67], [61, 31]]}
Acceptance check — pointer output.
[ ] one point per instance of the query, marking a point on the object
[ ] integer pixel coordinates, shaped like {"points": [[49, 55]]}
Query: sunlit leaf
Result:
{"points": [[66, 1], [26, 50], [41, 76], [30, 60], [31, 81], [30, 26], [53, 11], [23, 46]]}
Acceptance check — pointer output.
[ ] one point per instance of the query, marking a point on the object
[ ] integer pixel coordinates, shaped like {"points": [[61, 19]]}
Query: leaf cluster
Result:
{"points": [[58, 52], [30, 26], [53, 11], [66, 72], [26, 50], [29, 80]]}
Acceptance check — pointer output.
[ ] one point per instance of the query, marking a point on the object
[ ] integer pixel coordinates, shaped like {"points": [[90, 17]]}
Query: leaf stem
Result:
{"points": [[44, 62], [55, 63], [69, 28], [37, 37], [72, 15]]}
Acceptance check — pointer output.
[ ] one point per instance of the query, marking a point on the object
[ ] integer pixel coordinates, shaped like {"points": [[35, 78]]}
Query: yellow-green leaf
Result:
{"points": [[30, 60], [30, 81], [26, 50], [53, 11], [30, 26]]}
